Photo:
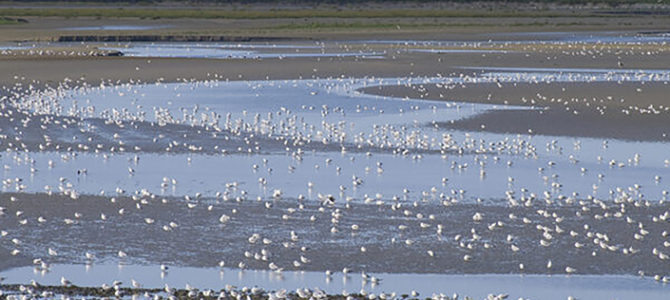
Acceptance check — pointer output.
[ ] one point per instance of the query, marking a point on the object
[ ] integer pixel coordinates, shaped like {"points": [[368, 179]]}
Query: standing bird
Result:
{"points": [[65, 282]]}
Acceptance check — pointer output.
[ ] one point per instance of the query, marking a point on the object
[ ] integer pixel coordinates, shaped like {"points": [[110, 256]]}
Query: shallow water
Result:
{"points": [[601, 37], [476, 286], [208, 174], [234, 51], [116, 27], [323, 108], [442, 51], [15, 47], [593, 37]]}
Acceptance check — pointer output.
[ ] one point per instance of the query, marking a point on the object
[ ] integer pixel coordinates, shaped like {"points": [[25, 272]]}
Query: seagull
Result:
{"points": [[65, 282]]}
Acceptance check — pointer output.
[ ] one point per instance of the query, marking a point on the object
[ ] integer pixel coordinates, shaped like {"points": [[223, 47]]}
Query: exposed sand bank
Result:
{"points": [[630, 110]]}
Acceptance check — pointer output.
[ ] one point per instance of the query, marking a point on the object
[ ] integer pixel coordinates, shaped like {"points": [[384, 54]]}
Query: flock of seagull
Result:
{"points": [[440, 229]]}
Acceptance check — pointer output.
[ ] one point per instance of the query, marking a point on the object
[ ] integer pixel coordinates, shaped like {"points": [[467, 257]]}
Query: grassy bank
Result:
{"points": [[402, 26], [5, 21], [119, 12]]}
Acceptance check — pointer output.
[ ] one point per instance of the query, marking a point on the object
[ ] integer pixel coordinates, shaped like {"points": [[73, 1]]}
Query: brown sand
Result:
{"points": [[399, 63], [599, 109]]}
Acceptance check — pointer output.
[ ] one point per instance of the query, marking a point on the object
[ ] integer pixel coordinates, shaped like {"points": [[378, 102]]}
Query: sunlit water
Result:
{"points": [[234, 51], [116, 27], [475, 286], [320, 108]]}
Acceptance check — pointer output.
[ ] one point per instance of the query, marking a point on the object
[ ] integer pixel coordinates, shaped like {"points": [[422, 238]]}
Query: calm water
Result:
{"points": [[476, 286]]}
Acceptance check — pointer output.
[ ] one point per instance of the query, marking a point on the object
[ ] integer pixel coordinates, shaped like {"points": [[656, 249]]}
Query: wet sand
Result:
{"points": [[636, 111], [397, 64], [202, 240]]}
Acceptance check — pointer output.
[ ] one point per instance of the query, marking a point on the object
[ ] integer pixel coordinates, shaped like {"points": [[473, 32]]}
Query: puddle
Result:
{"points": [[17, 46], [439, 51], [117, 27]]}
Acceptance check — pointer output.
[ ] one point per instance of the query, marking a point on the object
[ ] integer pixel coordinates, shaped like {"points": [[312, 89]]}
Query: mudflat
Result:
{"points": [[441, 138]]}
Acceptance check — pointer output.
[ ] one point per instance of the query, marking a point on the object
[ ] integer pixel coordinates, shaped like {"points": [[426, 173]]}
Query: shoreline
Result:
{"points": [[468, 287], [634, 111]]}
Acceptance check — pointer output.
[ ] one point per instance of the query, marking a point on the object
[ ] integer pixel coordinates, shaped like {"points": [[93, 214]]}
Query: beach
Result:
{"points": [[410, 147]]}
